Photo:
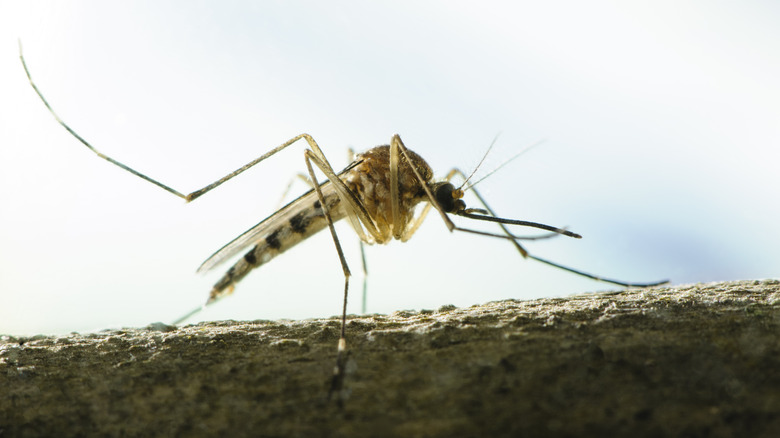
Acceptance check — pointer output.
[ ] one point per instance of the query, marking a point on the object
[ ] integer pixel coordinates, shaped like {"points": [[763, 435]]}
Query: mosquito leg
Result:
{"points": [[397, 144], [356, 212], [339, 370], [519, 247], [297, 177], [412, 228], [525, 253], [365, 277], [596, 277], [395, 199], [83, 141], [187, 197], [351, 155], [308, 182], [358, 216], [305, 179]]}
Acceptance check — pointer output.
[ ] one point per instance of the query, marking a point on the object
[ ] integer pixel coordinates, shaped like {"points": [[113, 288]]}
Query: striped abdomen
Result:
{"points": [[295, 222]]}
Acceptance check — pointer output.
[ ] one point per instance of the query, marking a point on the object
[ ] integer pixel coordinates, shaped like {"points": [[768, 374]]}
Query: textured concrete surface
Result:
{"points": [[696, 360]]}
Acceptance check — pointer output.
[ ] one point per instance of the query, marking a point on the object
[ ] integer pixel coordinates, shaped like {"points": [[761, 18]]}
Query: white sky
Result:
{"points": [[661, 120]]}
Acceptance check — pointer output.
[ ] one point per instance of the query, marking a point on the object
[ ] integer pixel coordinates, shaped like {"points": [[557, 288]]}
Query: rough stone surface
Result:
{"points": [[695, 360]]}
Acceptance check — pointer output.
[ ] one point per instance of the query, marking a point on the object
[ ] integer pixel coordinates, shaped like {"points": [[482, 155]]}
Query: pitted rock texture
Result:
{"points": [[694, 360]]}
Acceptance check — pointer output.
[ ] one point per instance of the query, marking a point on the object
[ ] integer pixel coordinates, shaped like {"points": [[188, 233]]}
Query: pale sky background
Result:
{"points": [[661, 120]]}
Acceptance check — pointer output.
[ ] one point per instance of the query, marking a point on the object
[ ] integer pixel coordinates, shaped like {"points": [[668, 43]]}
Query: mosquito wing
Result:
{"points": [[268, 225]]}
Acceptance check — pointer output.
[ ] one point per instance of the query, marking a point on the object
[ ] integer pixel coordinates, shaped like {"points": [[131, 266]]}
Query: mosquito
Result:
{"points": [[377, 194]]}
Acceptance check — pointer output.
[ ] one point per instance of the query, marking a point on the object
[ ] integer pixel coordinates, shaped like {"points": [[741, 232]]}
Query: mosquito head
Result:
{"points": [[448, 197]]}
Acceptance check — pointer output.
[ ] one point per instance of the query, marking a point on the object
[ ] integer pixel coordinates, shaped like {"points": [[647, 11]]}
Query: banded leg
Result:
{"points": [[337, 381]]}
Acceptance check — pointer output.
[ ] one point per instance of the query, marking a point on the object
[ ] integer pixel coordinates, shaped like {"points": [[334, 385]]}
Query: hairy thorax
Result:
{"points": [[370, 181]]}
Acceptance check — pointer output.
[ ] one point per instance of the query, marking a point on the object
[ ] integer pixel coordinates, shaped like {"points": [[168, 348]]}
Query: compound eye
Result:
{"points": [[444, 196]]}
